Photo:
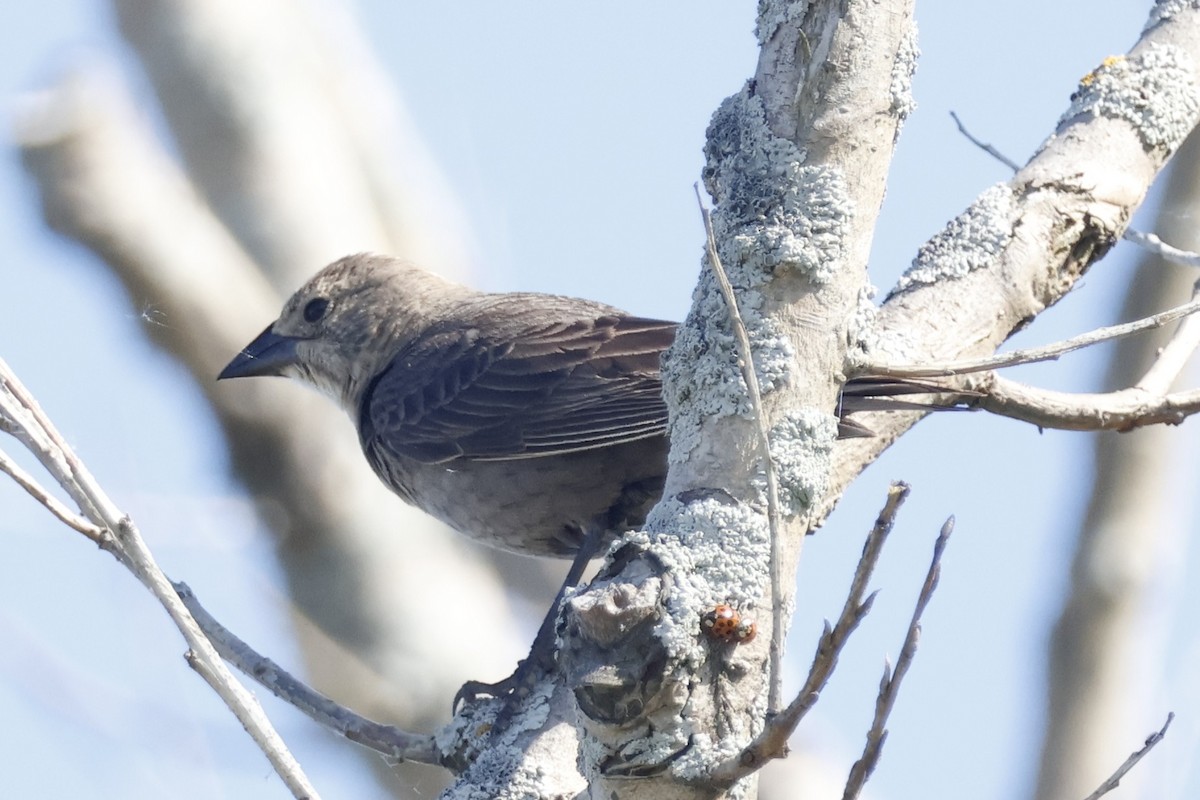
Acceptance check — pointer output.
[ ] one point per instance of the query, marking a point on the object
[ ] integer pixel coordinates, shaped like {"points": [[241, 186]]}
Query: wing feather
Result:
{"points": [[530, 389]]}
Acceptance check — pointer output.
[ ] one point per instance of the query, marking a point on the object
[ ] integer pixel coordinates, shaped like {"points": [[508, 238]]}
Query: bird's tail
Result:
{"points": [[880, 393]]}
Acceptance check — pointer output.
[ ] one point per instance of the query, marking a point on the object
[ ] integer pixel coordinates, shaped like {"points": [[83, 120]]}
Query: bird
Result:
{"points": [[523, 420], [530, 422]]}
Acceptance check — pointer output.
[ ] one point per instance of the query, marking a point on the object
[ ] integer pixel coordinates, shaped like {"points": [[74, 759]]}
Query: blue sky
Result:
{"points": [[572, 137]]}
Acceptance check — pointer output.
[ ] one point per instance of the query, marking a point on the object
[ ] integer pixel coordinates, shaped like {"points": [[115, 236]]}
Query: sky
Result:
{"points": [[572, 138]]}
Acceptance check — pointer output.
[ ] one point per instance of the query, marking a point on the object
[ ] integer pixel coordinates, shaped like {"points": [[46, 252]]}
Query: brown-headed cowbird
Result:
{"points": [[521, 420]]}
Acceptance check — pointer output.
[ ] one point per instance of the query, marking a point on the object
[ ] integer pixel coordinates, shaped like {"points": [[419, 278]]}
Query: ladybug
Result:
{"points": [[724, 624], [720, 622], [745, 632]]}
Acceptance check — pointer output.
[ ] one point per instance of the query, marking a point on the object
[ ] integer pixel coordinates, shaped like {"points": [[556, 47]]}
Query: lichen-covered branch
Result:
{"points": [[794, 205], [771, 743], [1024, 243]]}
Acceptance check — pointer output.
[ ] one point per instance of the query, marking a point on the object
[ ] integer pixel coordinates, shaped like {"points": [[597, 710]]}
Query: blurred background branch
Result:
{"points": [[284, 168], [1106, 677]]}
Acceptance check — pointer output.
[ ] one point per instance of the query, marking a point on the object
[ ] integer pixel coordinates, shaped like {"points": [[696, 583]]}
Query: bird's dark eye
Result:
{"points": [[315, 309]]}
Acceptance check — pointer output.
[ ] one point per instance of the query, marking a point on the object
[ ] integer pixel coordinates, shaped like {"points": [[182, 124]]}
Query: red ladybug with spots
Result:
{"points": [[723, 623]]}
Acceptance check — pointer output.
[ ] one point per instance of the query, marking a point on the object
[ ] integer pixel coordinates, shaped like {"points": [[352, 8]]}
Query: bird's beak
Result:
{"points": [[268, 354]]}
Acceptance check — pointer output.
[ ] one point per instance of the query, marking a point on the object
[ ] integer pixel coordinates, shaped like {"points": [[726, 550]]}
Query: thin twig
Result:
{"points": [[889, 686], [771, 743], [987, 148], [1033, 355], [26, 421], [1145, 403], [58, 508], [1115, 779], [1174, 355], [1153, 244], [393, 742], [28, 424], [750, 375]]}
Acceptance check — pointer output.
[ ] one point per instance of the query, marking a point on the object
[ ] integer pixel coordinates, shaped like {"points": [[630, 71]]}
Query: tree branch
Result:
{"points": [[889, 686], [1033, 355], [771, 743], [1024, 243], [1114, 780], [1122, 410], [763, 440], [25, 420], [388, 740]]}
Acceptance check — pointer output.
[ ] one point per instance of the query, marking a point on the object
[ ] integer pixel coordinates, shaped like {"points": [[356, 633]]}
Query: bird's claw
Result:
{"points": [[511, 691]]}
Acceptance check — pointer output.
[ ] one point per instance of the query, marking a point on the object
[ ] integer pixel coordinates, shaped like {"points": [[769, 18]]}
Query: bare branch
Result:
{"points": [[25, 419], [1113, 411], [889, 686], [771, 743], [98, 535], [1146, 403], [1115, 779], [1155, 245], [987, 148], [1032, 355], [1174, 355], [389, 740]]}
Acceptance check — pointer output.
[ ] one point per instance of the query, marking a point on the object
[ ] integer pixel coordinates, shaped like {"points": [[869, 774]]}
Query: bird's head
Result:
{"points": [[340, 328]]}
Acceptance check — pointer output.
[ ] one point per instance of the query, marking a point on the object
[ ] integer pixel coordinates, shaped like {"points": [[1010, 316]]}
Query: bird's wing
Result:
{"points": [[533, 388]]}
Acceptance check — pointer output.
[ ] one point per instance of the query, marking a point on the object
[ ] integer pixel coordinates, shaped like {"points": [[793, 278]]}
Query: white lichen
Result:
{"points": [[903, 69], [701, 373], [1153, 91], [801, 446], [499, 768], [772, 211], [716, 550], [971, 241], [772, 14], [863, 331], [1166, 9]]}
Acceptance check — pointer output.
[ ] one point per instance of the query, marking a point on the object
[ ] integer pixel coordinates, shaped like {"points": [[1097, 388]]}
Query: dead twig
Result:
{"points": [[1033, 355], [22, 417], [393, 742], [1114, 780], [987, 148], [771, 743], [1113, 411], [98, 535], [889, 685]]}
